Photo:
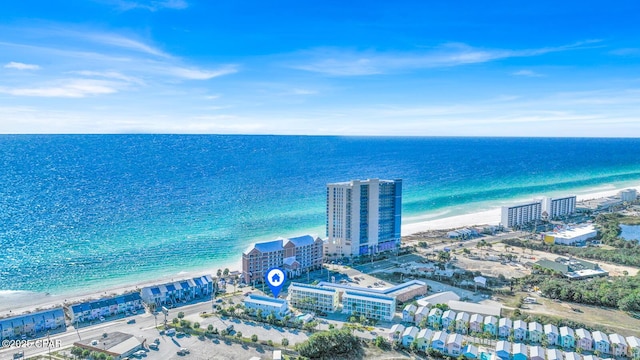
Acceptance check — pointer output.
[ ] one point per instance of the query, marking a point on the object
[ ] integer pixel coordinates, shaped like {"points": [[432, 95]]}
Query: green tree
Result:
{"points": [[254, 338], [330, 344], [180, 315], [210, 327], [239, 334], [196, 325], [285, 342]]}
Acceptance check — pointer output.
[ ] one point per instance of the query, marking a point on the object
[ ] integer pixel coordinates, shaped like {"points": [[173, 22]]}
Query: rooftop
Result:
{"points": [[473, 308], [115, 343]]}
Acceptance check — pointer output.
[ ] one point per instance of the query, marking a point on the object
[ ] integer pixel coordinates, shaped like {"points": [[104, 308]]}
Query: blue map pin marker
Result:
{"points": [[275, 278]]}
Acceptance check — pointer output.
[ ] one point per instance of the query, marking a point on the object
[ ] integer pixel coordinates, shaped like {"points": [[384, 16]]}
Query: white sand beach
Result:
{"points": [[16, 302]]}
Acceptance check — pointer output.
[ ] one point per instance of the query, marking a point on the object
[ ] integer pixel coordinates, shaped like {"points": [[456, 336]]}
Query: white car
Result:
{"points": [[140, 353]]}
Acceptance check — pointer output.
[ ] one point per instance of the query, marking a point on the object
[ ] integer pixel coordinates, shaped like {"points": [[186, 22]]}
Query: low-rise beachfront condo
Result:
{"points": [[34, 324], [295, 256], [109, 306], [313, 297], [176, 292], [267, 305], [372, 306]]}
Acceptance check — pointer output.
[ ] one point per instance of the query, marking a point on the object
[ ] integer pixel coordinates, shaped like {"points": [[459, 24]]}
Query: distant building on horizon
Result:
{"points": [[294, 255], [363, 217], [628, 195], [521, 214]]}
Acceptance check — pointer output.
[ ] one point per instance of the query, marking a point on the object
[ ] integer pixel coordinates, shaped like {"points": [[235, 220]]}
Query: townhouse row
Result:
{"points": [[521, 331], [32, 324]]}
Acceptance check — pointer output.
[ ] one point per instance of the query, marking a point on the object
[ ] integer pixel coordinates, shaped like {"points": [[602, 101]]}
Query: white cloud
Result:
{"points": [[198, 74], [527, 73], [21, 66], [72, 88], [109, 75], [126, 43], [338, 62]]}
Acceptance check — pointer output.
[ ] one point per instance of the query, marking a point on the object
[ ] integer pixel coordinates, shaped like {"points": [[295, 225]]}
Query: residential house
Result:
{"points": [[422, 313], [176, 292], [552, 334], [554, 354], [572, 356], [409, 335], [448, 318], [520, 351], [505, 325], [567, 338], [601, 342], [584, 340], [453, 345], [476, 323], [618, 345], [633, 344], [408, 313], [519, 330], [32, 324], [435, 318], [535, 332], [92, 310], [395, 334], [491, 325], [462, 322], [439, 340], [536, 353], [470, 351], [503, 349], [424, 339]]}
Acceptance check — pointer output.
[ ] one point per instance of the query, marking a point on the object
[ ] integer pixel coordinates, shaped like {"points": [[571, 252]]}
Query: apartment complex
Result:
{"points": [[176, 292], [363, 217], [92, 310], [33, 324], [294, 255], [372, 306], [521, 214], [267, 305], [313, 297], [558, 207]]}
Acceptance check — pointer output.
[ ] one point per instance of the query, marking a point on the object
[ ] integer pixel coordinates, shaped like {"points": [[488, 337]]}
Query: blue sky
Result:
{"points": [[432, 68]]}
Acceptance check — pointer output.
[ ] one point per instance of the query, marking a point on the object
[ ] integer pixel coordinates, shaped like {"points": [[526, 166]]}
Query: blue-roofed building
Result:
{"points": [[295, 255], [35, 324], [125, 304], [177, 292]]}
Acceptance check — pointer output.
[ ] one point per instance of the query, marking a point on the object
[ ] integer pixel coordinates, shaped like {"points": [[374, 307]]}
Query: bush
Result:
{"points": [[330, 344], [180, 315], [285, 342], [254, 338]]}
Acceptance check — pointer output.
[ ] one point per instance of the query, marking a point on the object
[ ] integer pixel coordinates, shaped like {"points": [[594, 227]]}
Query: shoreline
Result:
{"points": [[30, 301]]}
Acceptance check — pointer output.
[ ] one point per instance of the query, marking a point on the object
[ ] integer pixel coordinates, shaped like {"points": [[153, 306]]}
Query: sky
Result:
{"points": [[399, 68]]}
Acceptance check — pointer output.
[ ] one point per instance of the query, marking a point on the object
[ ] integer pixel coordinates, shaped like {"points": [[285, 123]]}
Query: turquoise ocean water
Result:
{"points": [[81, 212]]}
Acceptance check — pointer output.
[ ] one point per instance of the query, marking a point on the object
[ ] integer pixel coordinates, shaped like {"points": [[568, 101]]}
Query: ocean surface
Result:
{"points": [[85, 212]]}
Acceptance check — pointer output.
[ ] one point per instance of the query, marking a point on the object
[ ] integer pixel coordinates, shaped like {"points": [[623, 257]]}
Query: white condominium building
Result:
{"points": [[521, 214], [369, 305], [312, 297], [557, 207], [363, 217]]}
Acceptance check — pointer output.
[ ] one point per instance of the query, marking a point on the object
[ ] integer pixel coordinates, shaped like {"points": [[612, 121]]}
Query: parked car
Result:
{"points": [[131, 321], [153, 346], [102, 318]]}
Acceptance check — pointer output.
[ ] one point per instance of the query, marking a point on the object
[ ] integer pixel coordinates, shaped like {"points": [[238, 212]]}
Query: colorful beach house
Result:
{"points": [[439, 340], [462, 322], [421, 313], [552, 334], [536, 353], [491, 325], [633, 344], [453, 344], [519, 330], [448, 318], [395, 334], [567, 338], [601, 342], [584, 340], [424, 339], [505, 325], [32, 324], [476, 323], [618, 345], [408, 313], [520, 351], [409, 335], [435, 317], [503, 349], [535, 332], [554, 354], [572, 356], [470, 351]]}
